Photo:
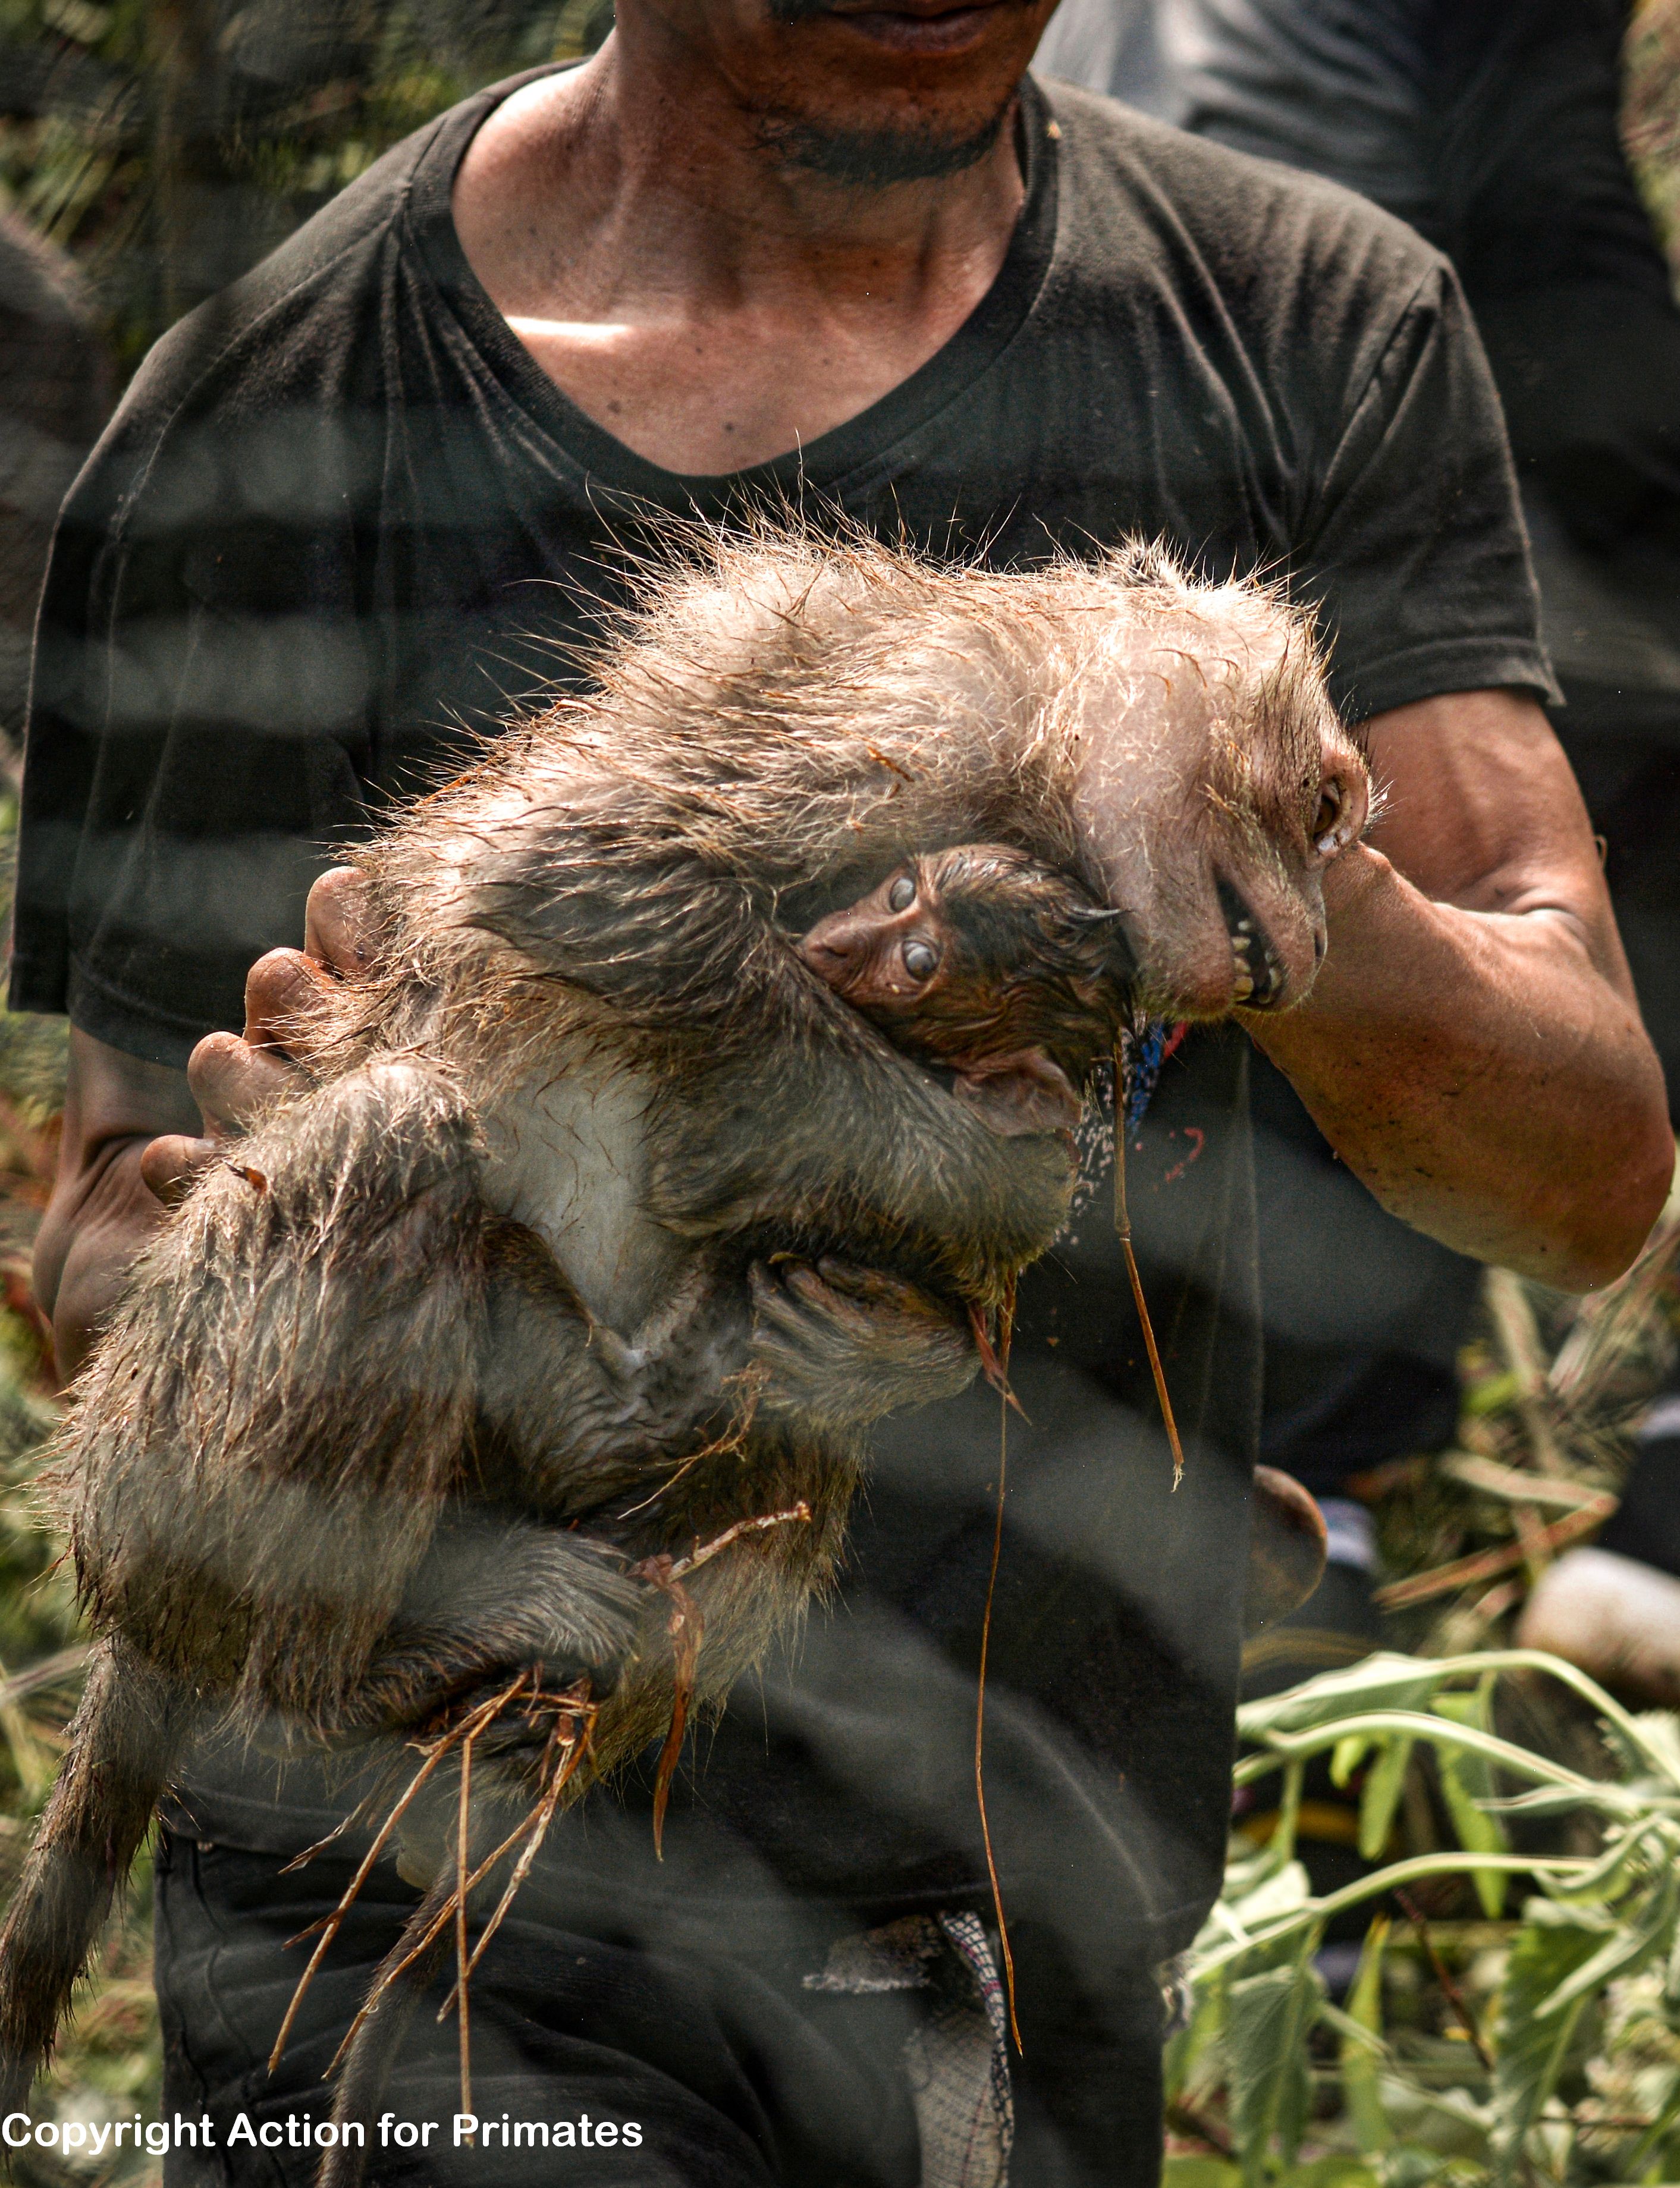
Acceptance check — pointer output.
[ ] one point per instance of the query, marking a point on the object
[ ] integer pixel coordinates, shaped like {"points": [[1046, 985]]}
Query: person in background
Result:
{"points": [[1494, 131]]}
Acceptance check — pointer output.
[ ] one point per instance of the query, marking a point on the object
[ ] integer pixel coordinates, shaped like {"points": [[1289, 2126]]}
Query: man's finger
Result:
{"points": [[280, 991], [233, 1083], [170, 1167], [338, 920]]}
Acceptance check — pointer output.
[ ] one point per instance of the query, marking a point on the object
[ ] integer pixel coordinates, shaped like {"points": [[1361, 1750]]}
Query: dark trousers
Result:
{"points": [[736, 2075]]}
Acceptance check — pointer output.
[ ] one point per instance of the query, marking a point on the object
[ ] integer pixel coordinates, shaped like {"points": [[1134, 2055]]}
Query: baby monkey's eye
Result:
{"points": [[902, 894], [921, 959], [1329, 812]]}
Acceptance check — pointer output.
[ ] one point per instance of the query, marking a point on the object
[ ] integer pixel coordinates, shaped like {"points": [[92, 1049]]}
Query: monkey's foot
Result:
{"points": [[842, 1346], [563, 1720]]}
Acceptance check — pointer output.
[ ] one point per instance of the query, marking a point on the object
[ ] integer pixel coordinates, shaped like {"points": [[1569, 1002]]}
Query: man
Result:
{"points": [[1495, 131], [748, 255]]}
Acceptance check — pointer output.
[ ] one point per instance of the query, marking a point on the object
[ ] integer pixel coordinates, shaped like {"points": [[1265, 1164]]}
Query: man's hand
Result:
{"points": [[135, 1134], [1471, 1047], [234, 1078]]}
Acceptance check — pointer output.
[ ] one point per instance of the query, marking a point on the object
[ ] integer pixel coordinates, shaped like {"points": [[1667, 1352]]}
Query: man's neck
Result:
{"points": [[703, 297]]}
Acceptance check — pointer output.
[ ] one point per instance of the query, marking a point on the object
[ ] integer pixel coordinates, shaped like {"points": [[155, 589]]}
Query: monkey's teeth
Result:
{"points": [[1255, 974]]}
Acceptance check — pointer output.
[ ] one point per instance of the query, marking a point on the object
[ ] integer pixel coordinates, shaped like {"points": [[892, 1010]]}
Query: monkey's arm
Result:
{"points": [[843, 1347], [1472, 1047], [491, 1597]]}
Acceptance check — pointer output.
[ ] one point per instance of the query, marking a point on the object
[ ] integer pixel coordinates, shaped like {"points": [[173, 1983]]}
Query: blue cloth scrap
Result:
{"points": [[1144, 1046]]}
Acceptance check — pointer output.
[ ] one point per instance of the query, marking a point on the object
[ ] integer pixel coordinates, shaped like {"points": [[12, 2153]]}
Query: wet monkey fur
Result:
{"points": [[630, 1187]]}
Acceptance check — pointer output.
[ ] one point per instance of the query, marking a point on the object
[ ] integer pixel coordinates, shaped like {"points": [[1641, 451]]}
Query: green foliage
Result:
{"points": [[1555, 2053], [169, 145]]}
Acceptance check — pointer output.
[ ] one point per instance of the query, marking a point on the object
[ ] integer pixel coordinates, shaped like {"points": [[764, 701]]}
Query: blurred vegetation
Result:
{"points": [[108, 2066], [1651, 116], [170, 144], [1554, 1388]]}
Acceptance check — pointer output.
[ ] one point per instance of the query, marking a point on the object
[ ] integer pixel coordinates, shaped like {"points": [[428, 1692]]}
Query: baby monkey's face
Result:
{"points": [[981, 962], [889, 953]]}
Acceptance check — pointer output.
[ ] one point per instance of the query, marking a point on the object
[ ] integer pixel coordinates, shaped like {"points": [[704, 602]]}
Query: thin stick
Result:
{"points": [[1007, 1332], [302, 1860], [1450, 1990], [703, 1553], [440, 1922], [462, 1849], [1488, 1565], [536, 1824], [1123, 1231], [371, 2003], [686, 1627], [335, 1921]]}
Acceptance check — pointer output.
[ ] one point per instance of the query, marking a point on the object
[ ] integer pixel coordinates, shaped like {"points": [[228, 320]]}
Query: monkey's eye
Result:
{"points": [[1329, 812], [921, 959], [902, 894]]}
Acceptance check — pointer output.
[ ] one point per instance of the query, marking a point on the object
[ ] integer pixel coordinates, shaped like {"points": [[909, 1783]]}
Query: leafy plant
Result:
{"points": [[1557, 2056]]}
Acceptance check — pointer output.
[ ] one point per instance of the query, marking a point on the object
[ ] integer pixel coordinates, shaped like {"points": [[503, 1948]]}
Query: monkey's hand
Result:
{"points": [[841, 1346]]}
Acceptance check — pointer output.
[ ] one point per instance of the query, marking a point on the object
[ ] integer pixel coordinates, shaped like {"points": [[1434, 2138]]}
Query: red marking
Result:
{"points": [[1175, 1039], [1190, 1132]]}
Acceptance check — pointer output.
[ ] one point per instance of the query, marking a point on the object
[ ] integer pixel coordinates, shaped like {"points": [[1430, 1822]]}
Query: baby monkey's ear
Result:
{"points": [[1106, 930], [1019, 1094]]}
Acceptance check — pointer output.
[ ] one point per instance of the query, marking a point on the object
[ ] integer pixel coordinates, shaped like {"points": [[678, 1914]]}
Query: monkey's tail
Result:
{"points": [[399, 1983], [121, 1748]]}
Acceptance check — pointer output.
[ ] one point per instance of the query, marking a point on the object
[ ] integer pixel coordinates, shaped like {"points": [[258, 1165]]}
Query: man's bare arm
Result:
{"points": [[1472, 1048], [101, 1213]]}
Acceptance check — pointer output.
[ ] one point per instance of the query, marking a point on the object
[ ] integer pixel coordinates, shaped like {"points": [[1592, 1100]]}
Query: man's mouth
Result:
{"points": [[928, 28]]}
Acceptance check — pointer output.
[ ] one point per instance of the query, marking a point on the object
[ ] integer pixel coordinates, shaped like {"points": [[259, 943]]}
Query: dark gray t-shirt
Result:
{"points": [[342, 518], [343, 512]]}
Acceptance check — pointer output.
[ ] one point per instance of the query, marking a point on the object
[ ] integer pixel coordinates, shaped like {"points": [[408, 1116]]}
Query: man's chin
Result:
{"points": [[875, 159]]}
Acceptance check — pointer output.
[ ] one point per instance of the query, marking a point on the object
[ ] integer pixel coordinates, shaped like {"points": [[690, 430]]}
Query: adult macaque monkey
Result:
{"points": [[443, 1376]]}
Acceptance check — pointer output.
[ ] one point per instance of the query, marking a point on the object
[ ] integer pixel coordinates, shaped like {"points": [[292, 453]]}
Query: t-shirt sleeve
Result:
{"points": [[198, 726], [1413, 543]]}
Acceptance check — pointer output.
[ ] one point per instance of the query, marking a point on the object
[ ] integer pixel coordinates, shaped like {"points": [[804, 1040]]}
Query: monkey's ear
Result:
{"points": [[1018, 1094]]}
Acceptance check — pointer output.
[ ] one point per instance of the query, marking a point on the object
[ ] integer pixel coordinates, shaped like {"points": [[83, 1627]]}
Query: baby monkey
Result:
{"points": [[990, 967]]}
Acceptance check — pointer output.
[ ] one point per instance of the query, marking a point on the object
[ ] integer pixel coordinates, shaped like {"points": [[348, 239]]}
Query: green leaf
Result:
{"points": [[1199, 2173], [1267, 2017], [1492, 1396], [1384, 1680], [1328, 2173], [1384, 1783], [1466, 1779], [1409, 2167], [1639, 1938], [1193, 2062], [1360, 2065], [1552, 1944], [1346, 1757]]}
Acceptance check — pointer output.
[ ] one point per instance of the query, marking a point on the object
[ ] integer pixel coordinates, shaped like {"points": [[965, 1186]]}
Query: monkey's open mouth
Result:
{"points": [[1257, 976]]}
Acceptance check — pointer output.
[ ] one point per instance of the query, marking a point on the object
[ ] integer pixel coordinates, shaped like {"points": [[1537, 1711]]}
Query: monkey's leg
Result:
{"points": [[265, 1438], [490, 1598], [569, 1412], [121, 1746], [846, 1345]]}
